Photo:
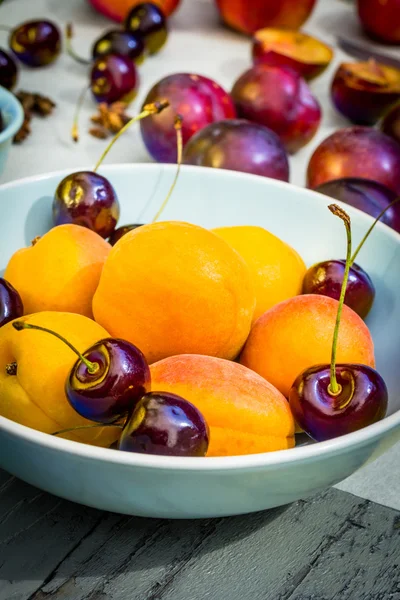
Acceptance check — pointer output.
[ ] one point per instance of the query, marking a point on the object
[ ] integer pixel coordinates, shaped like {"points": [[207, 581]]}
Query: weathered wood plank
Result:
{"points": [[332, 546]]}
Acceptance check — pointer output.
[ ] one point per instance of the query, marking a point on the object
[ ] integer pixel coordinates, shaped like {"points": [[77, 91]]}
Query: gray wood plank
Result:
{"points": [[331, 546]]}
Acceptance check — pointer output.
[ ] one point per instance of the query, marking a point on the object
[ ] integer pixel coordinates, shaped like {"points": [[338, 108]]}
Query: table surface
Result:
{"points": [[337, 545]]}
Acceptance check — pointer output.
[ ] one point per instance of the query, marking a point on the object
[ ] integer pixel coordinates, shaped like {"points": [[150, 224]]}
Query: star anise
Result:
{"points": [[33, 104], [109, 119]]}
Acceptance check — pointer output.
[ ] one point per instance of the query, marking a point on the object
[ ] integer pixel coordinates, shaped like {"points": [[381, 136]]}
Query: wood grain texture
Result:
{"points": [[333, 546]]}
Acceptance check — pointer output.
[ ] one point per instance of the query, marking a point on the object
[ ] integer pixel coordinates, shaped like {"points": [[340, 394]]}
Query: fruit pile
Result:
{"points": [[183, 335]]}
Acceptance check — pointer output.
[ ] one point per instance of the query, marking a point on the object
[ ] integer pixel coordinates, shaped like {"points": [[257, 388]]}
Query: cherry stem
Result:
{"points": [[69, 33], [149, 109], [75, 130], [92, 367], [334, 388], [364, 239], [179, 145], [61, 431]]}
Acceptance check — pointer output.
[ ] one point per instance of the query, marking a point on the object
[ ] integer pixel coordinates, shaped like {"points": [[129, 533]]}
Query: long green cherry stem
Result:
{"points": [[179, 146], [69, 33], [360, 245], [98, 425], [75, 130], [334, 388], [149, 109], [92, 367]]}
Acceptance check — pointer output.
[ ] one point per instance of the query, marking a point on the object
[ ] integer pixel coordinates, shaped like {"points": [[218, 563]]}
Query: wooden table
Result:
{"points": [[334, 546]]}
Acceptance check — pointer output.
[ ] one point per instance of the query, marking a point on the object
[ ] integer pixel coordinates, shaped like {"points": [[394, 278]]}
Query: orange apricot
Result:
{"points": [[174, 288], [276, 269], [60, 271], [297, 334], [245, 413], [34, 367]]}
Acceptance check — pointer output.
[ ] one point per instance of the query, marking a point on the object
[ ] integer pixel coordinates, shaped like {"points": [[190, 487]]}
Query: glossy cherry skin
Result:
{"points": [[164, 423], [36, 43], [326, 278], [362, 401], [149, 22], [118, 41], [8, 71], [367, 195], [239, 145], [11, 306], [111, 393], [199, 100], [121, 231], [280, 99], [391, 123], [88, 199], [114, 77]]}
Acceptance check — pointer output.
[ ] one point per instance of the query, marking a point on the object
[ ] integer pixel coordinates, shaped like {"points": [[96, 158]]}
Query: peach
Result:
{"points": [[249, 15], [297, 334], [285, 48], [244, 412], [118, 9]]}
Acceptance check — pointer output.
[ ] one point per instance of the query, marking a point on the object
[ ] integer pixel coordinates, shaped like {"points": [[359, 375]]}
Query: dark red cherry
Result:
{"points": [[114, 77], [120, 379], [121, 231], [149, 22], [326, 278], [36, 43], [106, 381], [118, 41], [164, 423], [362, 400], [88, 199], [8, 70], [11, 306]]}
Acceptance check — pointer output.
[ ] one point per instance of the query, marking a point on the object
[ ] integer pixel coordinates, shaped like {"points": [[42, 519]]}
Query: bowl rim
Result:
{"points": [[292, 456], [16, 123]]}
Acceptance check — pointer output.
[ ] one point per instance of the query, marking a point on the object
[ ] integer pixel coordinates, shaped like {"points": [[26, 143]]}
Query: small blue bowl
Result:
{"points": [[13, 117]]}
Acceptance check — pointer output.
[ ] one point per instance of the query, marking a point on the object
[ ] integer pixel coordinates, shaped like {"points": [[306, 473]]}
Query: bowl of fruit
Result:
{"points": [[11, 119], [208, 344]]}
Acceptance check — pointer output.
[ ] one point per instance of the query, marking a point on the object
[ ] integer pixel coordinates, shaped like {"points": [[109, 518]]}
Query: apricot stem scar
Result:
{"points": [[11, 368]]}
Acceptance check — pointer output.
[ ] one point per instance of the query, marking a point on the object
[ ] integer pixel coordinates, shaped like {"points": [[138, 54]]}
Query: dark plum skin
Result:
{"points": [[199, 100], [166, 424], [11, 306], [118, 41], [88, 199], [114, 77], [362, 400], [326, 278], [8, 71], [356, 152], [391, 123], [278, 98], [359, 99], [121, 231], [149, 22], [367, 195], [36, 43], [239, 145], [111, 393]]}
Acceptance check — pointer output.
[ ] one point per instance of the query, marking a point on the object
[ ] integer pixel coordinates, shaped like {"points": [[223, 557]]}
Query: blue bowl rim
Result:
{"points": [[16, 123]]}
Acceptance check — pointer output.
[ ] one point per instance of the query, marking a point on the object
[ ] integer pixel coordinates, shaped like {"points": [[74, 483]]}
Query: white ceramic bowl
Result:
{"points": [[210, 487]]}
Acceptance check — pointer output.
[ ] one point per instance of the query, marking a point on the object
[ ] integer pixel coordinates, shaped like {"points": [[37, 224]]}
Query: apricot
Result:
{"points": [[34, 366], [60, 271], [244, 412], [174, 288], [276, 269], [118, 9], [297, 334]]}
